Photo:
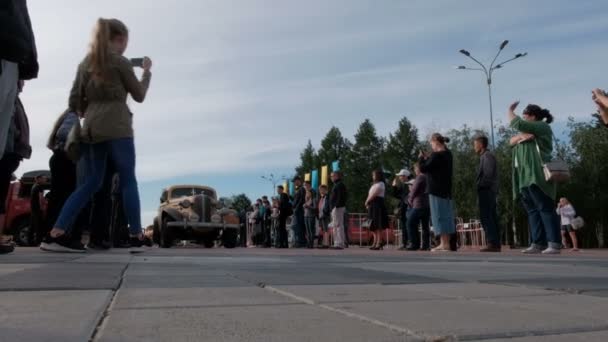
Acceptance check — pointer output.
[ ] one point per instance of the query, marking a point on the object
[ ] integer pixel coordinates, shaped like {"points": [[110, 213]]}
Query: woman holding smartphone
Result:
{"points": [[104, 80], [438, 168]]}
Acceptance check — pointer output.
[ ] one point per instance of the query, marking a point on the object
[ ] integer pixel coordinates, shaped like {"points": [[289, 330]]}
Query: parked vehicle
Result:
{"points": [[193, 212], [18, 207]]}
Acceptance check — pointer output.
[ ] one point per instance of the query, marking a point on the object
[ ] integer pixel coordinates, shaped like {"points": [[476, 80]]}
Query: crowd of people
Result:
{"points": [[88, 162]]}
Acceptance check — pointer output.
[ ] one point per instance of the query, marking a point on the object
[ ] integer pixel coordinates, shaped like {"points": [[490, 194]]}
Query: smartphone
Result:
{"points": [[137, 62]]}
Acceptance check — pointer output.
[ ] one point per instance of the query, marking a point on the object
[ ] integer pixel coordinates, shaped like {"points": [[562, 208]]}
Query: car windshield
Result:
{"points": [[187, 192]]}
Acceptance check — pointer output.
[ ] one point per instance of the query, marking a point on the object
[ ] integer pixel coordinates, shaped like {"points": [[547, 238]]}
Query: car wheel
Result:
{"points": [[21, 233], [230, 238], [208, 243], [166, 236], [156, 233]]}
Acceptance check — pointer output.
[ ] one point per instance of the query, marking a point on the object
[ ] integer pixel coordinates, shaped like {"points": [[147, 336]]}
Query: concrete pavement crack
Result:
{"points": [[106, 312]]}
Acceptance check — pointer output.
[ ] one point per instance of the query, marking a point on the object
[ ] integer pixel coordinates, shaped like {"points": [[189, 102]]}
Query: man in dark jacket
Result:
{"points": [[18, 59], [285, 210], [298, 212], [487, 190], [401, 191]]}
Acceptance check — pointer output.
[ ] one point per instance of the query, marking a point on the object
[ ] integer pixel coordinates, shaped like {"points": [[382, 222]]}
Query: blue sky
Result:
{"points": [[240, 86]]}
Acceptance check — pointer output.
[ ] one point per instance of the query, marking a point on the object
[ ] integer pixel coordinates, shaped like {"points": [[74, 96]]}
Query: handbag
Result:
{"points": [[72, 143], [577, 223], [556, 171]]}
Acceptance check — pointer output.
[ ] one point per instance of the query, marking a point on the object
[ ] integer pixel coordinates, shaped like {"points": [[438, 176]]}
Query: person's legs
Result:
{"points": [[310, 231], [283, 237], [537, 233], [487, 212], [564, 237], [338, 226], [548, 216], [9, 76], [413, 222], [425, 216], [63, 184], [405, 236], [574, 240], [97, 155], [122, 152]]}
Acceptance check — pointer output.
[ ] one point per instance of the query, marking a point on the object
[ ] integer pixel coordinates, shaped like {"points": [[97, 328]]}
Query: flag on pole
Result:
{"points": [[307, 177], [325, 175], [335, 166], [315, 179]]}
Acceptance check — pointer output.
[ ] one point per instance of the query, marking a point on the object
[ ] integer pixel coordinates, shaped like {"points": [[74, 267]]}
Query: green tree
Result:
{"points": [[402, 147], [240, 202], [333, 147], [308, 160], [364, 157]]}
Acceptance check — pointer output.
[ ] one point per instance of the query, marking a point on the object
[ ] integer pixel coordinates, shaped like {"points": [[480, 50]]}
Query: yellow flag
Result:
{"points": [[325, 175], [307, 177]]}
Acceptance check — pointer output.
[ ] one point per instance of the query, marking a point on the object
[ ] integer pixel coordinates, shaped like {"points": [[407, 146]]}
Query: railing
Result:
{"points": [[471, 234]]}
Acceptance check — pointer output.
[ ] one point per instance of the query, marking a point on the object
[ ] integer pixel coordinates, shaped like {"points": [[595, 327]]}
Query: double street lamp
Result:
{"points": [[274, 180], [488, 71]]}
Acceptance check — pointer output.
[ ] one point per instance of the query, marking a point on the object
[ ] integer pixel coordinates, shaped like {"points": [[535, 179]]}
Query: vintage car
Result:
{"points": [[193, 212]]}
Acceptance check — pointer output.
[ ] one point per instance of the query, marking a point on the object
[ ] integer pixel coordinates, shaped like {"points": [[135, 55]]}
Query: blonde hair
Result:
{"points": [[105, 31]]}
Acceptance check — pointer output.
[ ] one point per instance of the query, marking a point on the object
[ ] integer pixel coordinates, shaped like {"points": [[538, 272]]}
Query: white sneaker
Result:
{"points": [[532, 250], [551, 250]]}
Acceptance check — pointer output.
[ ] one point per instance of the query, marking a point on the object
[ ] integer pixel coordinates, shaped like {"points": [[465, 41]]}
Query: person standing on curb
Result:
{"points": [[338, 207], [401, 191], [487, 191]]}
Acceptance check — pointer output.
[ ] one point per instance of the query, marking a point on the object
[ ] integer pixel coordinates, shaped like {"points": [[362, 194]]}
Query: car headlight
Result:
{"points": [[216, 218], [193, 217], [185, 203]]}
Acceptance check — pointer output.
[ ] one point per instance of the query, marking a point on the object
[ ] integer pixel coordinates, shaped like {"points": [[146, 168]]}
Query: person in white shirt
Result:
{"points": [[378, 215], [566, 211]]}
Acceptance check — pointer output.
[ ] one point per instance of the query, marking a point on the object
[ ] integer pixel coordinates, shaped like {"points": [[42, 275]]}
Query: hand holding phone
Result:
{"points": [[137, 62]]}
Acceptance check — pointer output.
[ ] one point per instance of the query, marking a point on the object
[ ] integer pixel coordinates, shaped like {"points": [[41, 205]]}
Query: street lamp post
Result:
{"points": [[274, 180], [488, 71]]}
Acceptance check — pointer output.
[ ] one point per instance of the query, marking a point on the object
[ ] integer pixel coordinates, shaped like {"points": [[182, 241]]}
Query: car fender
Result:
{"points": [[173, 214]]}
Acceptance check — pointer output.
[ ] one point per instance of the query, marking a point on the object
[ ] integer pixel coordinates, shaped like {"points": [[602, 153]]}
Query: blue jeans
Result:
{"points": [[94, 159], [544, 222], [489, 216], [415, 217]]}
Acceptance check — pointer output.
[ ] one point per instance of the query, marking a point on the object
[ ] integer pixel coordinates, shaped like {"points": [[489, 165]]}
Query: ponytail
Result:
{"points": [[440, 138], [539, 113], [105, 31]]}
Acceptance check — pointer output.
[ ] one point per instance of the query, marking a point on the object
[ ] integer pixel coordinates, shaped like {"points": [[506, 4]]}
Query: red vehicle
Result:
{"points": [[359, 234], [18, 207]]}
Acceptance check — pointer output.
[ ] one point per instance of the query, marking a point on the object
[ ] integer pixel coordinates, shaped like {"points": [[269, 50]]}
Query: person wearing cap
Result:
{"points": [[401, 191], [298, 210]]}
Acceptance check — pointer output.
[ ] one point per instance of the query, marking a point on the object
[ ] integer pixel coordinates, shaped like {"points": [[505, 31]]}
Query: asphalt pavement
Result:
{"points": [[267, 295]]}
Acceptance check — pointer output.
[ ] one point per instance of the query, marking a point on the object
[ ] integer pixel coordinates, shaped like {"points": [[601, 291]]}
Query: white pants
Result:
{"points": [[337, 218], [9, 76]]}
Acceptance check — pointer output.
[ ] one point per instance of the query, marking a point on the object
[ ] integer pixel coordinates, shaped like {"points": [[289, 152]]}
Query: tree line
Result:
{"points": [[585, 152]]}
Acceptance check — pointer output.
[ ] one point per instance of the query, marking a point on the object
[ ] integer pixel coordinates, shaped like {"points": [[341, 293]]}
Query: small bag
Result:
{"points": [[72, 144], [577, 223], [556, 171]]}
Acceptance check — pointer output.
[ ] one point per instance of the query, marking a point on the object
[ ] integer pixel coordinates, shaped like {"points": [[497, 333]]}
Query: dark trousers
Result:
{"points": [[310, 223], [282, 236], [267, 230], [543, 220], [403, 212], [299, 228], [102, 211], [489, 216], [8, 164], [417, 217], [63, 184]]}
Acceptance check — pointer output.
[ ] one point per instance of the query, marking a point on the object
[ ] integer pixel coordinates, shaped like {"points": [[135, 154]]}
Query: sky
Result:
{"points": [[239, 87]]}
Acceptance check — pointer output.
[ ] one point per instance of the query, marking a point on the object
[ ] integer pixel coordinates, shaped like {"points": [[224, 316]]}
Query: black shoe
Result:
{"points": [[412, 248], [98, 246], [61, 244], [137, 245], [336, 248]]}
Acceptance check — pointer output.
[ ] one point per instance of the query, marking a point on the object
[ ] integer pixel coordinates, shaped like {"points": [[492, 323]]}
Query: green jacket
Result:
{"points": [[527, 165], [104, 104]]}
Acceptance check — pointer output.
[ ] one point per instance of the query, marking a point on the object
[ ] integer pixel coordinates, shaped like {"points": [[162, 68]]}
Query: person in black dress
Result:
{"points": [[377, 213]]}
